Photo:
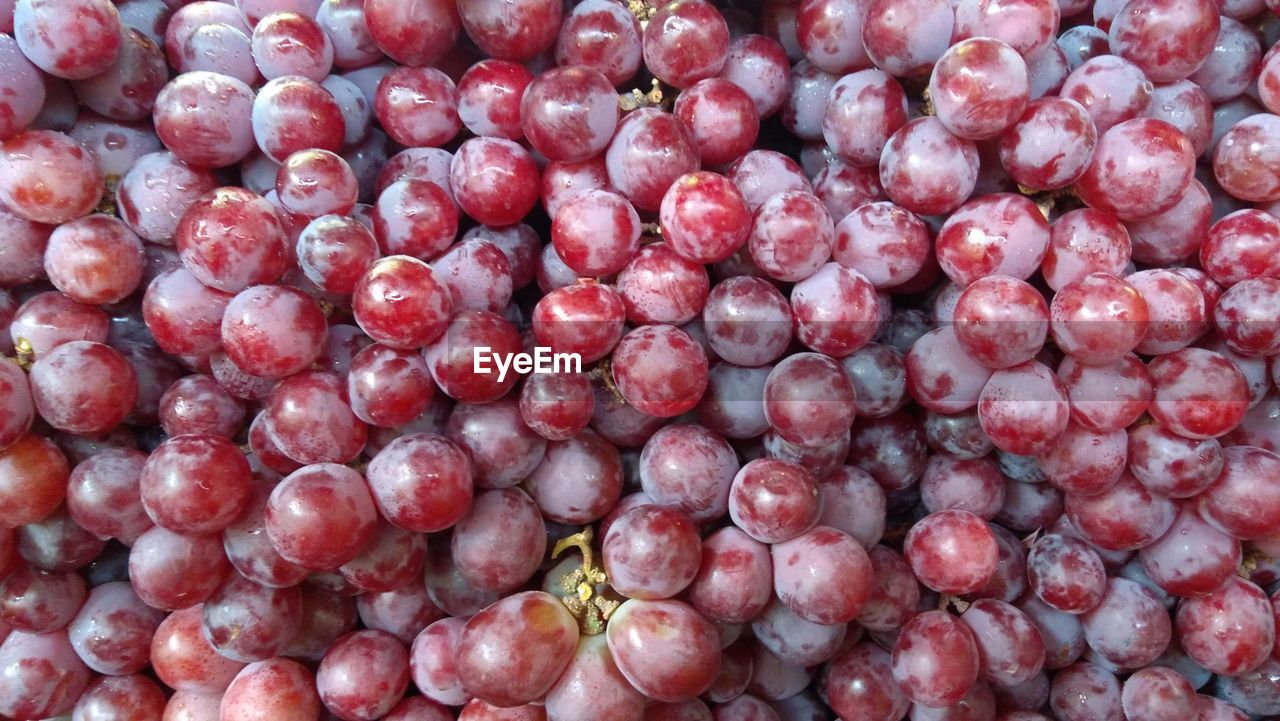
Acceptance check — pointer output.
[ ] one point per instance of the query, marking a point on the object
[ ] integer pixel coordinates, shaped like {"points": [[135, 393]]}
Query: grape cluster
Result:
{"points": [[929, 360]]}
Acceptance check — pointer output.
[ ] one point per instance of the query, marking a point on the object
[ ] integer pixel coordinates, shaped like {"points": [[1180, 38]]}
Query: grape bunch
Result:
{"points": [[921, 360]]}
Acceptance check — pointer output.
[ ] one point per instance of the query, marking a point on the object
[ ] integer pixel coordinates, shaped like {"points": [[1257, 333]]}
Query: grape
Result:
{"points": [[1109, 397], [951, 551], [113, 631], [1234, 503], [859, 685], [94, 260], [649, 151], [600, 36], [420, 466], [184, 660], [577, 480], [132, 696], [338, 679], [247, 622], [941, 376], [651, 552], [313, 183], [791, 236], [732, 584], [664, 648], [761, 174], [219, 48], [792, 413], [1176, 307], [820, 27], [722, 116], [748, 321], [1111, 89], [1228, 70], [1240, 246], [220, 136], [1152, 692], [660, 370], [250, 550], [290, 43], [953, 162], [1168, 40], [703, 217], [37, 601], [973, 485], [935, 659], [432, 662], [402, 612], [1066, 573], [689, 42], [592, 686], [863, 110], [275, 688], [1244, 318], [1010, 648], [1050, 145], [1128, 627], [128, 88], [503, 450], [1170, 464], [489, 98], [569, 114], [1098, 319], [596, 232], [556, 405], [172, 571], [891, 449], [1024, 409], [482, 541], [979, 68], [1269, 81], [494, 180], [836, 310], [1192, 558], [774, 679], [737, 667], [531, 633], [400, 303], [1085, 691], [195, 484], [451, 359], [1183, 401], [822, 552], [1001, 321], [50, 319], [843, 188], [1082, 43], [293, 113], [83, 387], [660, 286], [23, 88], [1185, 106], [72, 41], [1130, 192], [189, 706], [320, 517], [42, 676], [388, 387], [418, 34], [864, 235], [47, 177], [905, 37]]}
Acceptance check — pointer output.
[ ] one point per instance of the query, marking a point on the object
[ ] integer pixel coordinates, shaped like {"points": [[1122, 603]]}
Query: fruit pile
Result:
{"points": [[910, 359]]}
